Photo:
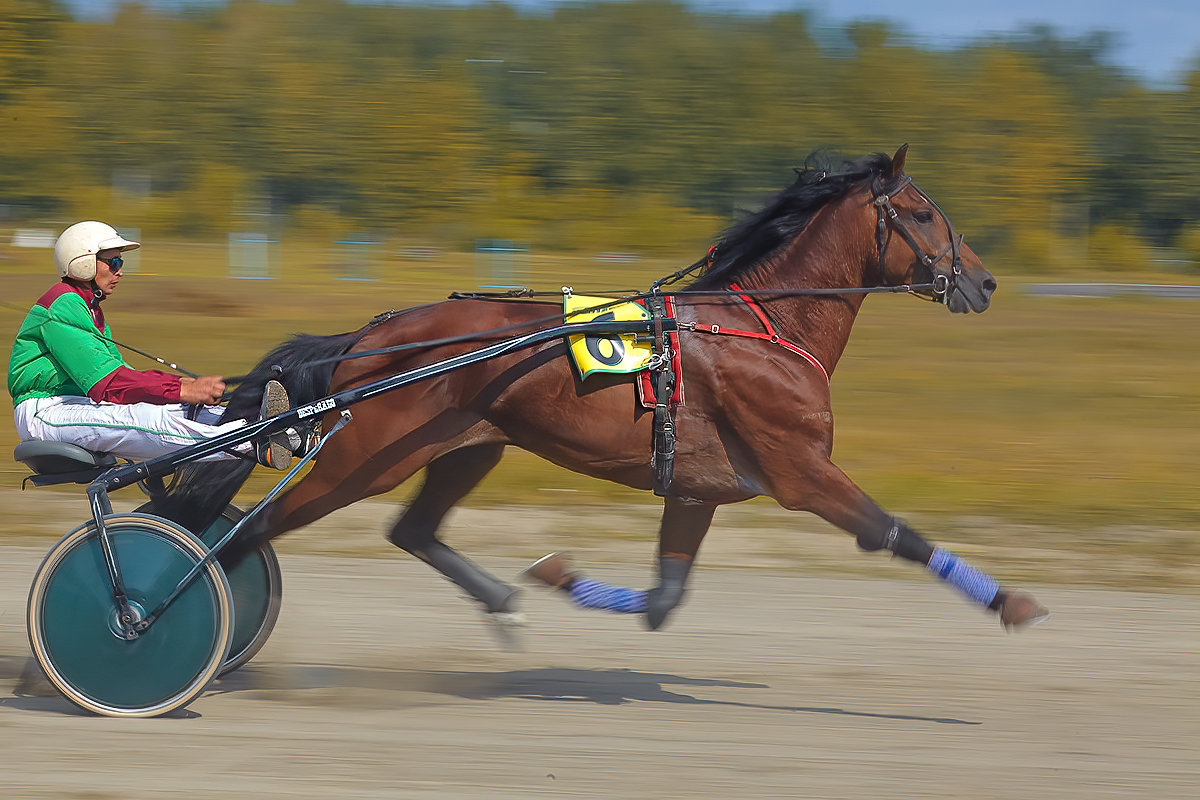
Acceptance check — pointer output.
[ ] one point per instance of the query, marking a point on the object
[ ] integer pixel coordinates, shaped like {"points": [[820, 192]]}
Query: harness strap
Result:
{"points": [[770, 336], [664, 388]]}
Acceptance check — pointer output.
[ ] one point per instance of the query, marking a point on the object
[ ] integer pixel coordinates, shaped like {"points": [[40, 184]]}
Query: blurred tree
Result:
{"points": [[1174, 201], [1011, 153], [604, 125], [35, 145], [1188, 243], [1116, 249], [29, 31]]}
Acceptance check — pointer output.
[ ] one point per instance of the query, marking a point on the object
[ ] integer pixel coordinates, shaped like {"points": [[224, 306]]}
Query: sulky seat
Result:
{"points": [[61, 462]]}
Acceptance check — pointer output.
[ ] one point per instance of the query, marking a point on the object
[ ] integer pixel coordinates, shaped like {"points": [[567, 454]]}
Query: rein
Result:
{"points": [[520, 294], [517, 295], [888, 218], [938, 288]]}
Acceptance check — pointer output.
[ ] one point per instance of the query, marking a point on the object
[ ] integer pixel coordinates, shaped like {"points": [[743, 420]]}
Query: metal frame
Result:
{"points": [[132, 625]]}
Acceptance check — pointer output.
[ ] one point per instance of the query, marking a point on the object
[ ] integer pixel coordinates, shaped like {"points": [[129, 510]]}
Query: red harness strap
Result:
{"points": [[770, 335], [646, 378]]}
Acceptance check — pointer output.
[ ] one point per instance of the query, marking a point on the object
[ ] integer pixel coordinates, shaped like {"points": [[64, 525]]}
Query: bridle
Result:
{"points": [[943, 282]]}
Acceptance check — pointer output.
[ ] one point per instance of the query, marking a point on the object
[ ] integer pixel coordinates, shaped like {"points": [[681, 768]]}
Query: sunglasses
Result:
{"points": [[114, 264]]}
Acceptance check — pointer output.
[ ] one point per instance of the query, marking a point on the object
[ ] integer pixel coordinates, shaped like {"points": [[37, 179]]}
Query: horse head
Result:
{"points": [[930, 251]]}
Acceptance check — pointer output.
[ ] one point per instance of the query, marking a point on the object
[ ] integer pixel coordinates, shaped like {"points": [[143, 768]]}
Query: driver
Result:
{"points": [[69, 384]]}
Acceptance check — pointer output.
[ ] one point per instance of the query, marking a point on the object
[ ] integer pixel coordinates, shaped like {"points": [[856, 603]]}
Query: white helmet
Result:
{"points": [[76, 249]]}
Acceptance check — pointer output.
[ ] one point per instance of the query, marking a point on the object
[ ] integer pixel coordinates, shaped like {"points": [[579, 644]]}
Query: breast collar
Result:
{"points": [[769, 335]]}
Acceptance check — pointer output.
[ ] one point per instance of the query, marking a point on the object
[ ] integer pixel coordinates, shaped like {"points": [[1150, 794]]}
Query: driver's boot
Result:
{"points": [[276, 450]]}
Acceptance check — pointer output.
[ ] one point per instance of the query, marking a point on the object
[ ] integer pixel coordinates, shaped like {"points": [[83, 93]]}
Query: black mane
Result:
{"points": [[205, 487], [761, 235]]}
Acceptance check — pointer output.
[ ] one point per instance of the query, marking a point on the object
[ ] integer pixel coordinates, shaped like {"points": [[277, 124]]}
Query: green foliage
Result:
{"points": [[615, 126]]}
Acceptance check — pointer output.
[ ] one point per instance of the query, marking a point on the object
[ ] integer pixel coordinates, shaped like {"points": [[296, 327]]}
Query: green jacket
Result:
{"points": [[58, 350]]}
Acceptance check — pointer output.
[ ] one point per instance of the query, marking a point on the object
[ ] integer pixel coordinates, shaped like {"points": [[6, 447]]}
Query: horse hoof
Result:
{"points": [[1022, 611], [552, 570], [660, 602], [656, 617], [507, 619], [503, 601], [507, 627]]}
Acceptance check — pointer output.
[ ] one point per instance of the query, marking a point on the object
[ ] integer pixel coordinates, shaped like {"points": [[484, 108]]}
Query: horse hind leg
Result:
{"points": [[448, 479]]}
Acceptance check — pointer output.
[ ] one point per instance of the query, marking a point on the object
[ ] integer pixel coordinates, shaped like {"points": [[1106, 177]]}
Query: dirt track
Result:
{"points": [[380, 682]]}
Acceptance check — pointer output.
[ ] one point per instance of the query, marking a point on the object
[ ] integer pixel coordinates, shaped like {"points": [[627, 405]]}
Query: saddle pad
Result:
{"points": [[620, 353]]}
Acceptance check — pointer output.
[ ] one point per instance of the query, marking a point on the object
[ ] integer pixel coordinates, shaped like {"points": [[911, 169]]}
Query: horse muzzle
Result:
{"points": [[964, 293]]}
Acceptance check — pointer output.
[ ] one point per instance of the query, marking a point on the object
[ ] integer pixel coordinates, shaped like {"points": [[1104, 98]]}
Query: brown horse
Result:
{"points": [[756, 418]]}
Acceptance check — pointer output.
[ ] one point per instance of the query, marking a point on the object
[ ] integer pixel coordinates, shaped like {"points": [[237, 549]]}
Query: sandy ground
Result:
{"points": [[382, 682], [758, 536]]}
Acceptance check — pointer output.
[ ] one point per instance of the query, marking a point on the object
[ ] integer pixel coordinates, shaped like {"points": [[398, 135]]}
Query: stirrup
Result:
{"points": [[302, 441]]}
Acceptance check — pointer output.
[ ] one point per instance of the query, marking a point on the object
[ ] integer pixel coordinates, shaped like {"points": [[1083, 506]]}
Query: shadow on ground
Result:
{"points": [[606, 687], [597, 686]]}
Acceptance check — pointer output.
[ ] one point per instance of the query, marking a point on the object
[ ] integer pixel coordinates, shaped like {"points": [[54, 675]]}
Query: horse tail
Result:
{"points": [[304, 365]]}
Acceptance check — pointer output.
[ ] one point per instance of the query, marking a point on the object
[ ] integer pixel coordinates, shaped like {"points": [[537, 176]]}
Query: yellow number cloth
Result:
{"points": [[615, 353]]}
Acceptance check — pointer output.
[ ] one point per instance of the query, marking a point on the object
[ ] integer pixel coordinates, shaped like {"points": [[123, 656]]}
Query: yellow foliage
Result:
{"points": [[600, 127], [1189, 243], [317, 223], [1117, 249]]}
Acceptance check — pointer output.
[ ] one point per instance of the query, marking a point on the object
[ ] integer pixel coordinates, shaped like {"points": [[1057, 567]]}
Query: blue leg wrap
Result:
{"points": [[587, 593], [976, 585]]}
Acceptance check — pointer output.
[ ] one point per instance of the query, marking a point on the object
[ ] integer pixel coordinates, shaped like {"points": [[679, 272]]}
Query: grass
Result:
{"points": [[1075, 422]]}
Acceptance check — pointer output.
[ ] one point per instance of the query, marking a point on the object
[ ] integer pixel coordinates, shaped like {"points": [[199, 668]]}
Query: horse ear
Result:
{"points": [[898, 160]]}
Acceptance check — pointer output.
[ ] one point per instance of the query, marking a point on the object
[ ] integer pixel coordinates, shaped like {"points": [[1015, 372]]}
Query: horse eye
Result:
{"points": [[923, 216]]}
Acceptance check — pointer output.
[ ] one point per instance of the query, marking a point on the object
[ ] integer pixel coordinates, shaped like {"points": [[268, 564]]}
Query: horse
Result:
{"points": [[759, 333]]}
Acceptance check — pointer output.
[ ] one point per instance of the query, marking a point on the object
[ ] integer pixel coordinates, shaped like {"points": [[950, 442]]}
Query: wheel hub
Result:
{"points": [[125, 628]]}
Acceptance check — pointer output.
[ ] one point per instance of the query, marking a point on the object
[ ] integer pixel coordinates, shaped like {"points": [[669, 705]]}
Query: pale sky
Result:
{"points": [[1156, 39]]}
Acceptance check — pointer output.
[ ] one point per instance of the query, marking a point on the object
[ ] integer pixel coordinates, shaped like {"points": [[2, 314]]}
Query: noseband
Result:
{"points": [[943, 282]]}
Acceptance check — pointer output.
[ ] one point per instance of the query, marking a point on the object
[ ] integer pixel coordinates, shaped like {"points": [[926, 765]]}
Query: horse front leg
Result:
{"points": [[830, 494], [683, 527], [680, 533]]}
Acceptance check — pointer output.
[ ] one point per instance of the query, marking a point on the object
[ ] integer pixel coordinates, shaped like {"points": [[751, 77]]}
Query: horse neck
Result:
{"points": [[833, 251]]}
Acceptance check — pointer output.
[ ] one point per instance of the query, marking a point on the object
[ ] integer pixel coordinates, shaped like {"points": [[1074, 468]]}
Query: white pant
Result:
{"points": [[137, 431]]}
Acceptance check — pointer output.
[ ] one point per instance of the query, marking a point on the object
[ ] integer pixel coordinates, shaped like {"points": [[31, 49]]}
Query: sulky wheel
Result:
{"points": [[257, 586], [73, 626]]}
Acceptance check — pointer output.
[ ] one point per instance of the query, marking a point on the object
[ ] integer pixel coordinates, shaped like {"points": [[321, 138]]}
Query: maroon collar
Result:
{"points": [[87, 291], [92, 297]]}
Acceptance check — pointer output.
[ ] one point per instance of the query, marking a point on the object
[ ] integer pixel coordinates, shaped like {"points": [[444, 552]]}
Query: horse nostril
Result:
{"points": [[989, 285]]}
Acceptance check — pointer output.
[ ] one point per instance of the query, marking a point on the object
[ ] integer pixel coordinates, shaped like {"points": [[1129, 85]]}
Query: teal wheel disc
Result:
{"points": [[75, 636], [257, 586]]}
